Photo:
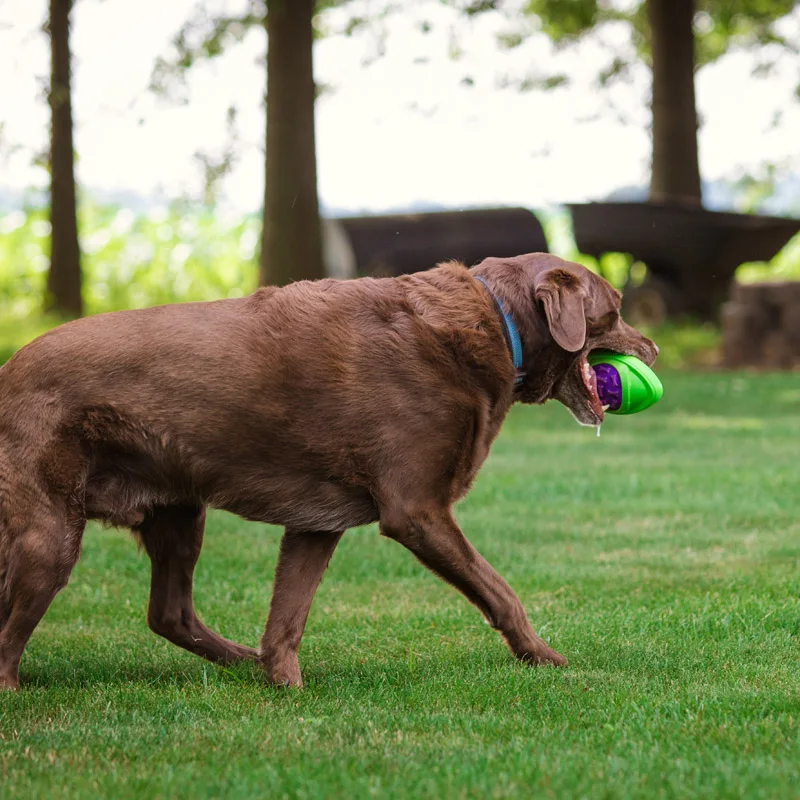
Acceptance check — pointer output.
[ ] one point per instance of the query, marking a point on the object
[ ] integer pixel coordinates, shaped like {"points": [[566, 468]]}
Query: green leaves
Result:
{"points": [[130, 259], [566, 19], [203, 37], [720, 25], [723, 24]]}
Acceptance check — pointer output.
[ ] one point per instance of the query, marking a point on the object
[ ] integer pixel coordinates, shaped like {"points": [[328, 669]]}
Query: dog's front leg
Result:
{"points": [[434, 537], [303, 558]]}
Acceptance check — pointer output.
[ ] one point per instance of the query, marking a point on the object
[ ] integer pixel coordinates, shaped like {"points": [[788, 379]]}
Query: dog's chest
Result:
{"points": [[300, 504]]}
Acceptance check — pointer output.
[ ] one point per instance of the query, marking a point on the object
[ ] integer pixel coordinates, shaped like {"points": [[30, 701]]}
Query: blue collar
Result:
{"points": [[510, 333]]}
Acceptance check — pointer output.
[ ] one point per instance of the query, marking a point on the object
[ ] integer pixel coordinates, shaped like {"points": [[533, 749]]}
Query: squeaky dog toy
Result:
{"points": [[625, 384]]}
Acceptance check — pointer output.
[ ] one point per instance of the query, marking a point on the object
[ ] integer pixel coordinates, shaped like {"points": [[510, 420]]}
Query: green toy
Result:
{"points": [[625, 384]]}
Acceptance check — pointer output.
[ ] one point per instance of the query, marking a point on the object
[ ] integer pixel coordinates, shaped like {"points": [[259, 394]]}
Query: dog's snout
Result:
{"points": [[649, 351], [626, 339], [654, 349]]}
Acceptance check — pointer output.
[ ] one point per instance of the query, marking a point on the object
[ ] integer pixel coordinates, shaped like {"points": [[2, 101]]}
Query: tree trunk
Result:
{"points": [[64, 278], [675, 174], [290, 248]]}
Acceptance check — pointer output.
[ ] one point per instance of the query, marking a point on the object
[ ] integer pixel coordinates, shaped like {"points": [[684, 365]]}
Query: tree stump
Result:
{"points": [[761, 326]]}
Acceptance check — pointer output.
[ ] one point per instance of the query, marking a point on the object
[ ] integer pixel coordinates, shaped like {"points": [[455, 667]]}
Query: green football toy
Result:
{"points": [[625, 384]]}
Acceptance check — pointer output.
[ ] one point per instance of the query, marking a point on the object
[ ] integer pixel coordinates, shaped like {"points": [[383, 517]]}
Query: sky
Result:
{"points": [[392, 131]]}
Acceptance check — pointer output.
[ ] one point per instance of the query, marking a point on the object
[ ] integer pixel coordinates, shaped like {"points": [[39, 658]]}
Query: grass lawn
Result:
{"points": [[661, 559]]}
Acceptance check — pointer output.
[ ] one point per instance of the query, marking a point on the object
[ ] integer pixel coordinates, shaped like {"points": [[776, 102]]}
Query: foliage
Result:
{"points": [[169, 254], [206, 36], [660, 558], [216, 166], [785, 266], [720, 25]]}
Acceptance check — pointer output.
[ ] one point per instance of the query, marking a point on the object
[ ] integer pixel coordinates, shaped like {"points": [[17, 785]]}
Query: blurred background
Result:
{"points": [[156, 152]]}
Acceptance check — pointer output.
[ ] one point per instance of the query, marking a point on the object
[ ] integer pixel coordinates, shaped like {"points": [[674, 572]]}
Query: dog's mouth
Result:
{"points": [[578, 392], [593, 402]]}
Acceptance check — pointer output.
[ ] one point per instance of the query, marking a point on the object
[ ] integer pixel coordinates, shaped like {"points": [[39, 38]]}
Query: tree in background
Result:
{"points": [[291, 242], [674, 38], [674, 167], [64, 277], [291, 246]]}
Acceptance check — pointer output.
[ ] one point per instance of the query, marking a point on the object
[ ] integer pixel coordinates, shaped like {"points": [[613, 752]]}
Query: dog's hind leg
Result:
{"points": [[173, 537], [36, 563], [303, 559]]}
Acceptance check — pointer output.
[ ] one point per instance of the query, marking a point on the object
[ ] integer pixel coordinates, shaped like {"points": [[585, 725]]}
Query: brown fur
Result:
{"points": [[318, 407]]}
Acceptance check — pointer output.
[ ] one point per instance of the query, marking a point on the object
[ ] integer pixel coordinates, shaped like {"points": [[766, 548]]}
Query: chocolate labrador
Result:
{"points": [[318, 407]]}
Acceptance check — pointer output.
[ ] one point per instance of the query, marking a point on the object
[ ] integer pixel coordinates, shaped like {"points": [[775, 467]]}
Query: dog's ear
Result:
{"points": [[561, 294]]}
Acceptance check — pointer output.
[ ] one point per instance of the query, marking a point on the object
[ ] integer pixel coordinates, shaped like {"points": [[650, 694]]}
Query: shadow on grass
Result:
{"points": [[92, 671], [321, 675]]}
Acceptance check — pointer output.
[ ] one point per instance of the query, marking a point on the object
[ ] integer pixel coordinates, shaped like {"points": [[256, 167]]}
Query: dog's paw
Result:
{"points": [[8, 684], [285, 672], [286, 681], [542, 657]]}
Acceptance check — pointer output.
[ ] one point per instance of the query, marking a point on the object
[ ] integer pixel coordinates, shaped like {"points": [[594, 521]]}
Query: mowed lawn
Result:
{"points": [[662, 559]]}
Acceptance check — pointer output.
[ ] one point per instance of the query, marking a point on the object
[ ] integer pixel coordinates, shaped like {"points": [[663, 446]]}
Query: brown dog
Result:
{"points": [[319, 406]]}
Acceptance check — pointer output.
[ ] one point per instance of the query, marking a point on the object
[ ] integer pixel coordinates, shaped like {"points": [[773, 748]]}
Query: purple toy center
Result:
{"points": [[609, 386]]}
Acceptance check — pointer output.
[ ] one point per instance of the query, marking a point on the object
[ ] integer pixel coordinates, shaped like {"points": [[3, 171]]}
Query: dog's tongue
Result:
{"points": [[609, 386]]}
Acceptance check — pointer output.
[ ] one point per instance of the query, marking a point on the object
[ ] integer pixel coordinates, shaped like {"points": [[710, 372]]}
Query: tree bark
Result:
{"points": [[64, 278], [291, 244], [675, 174]]}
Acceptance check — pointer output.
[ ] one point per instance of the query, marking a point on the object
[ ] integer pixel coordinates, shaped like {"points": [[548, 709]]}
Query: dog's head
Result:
{"points": [[563, 312]]}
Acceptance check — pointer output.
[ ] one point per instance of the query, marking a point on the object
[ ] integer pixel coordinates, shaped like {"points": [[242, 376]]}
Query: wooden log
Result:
{"points": [[790, 324], [742, 332], [777, 351], [781, 293], [748, 293]]}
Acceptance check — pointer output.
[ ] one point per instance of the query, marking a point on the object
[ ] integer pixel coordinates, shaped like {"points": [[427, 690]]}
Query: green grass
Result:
{"points": [[662, 559]]}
